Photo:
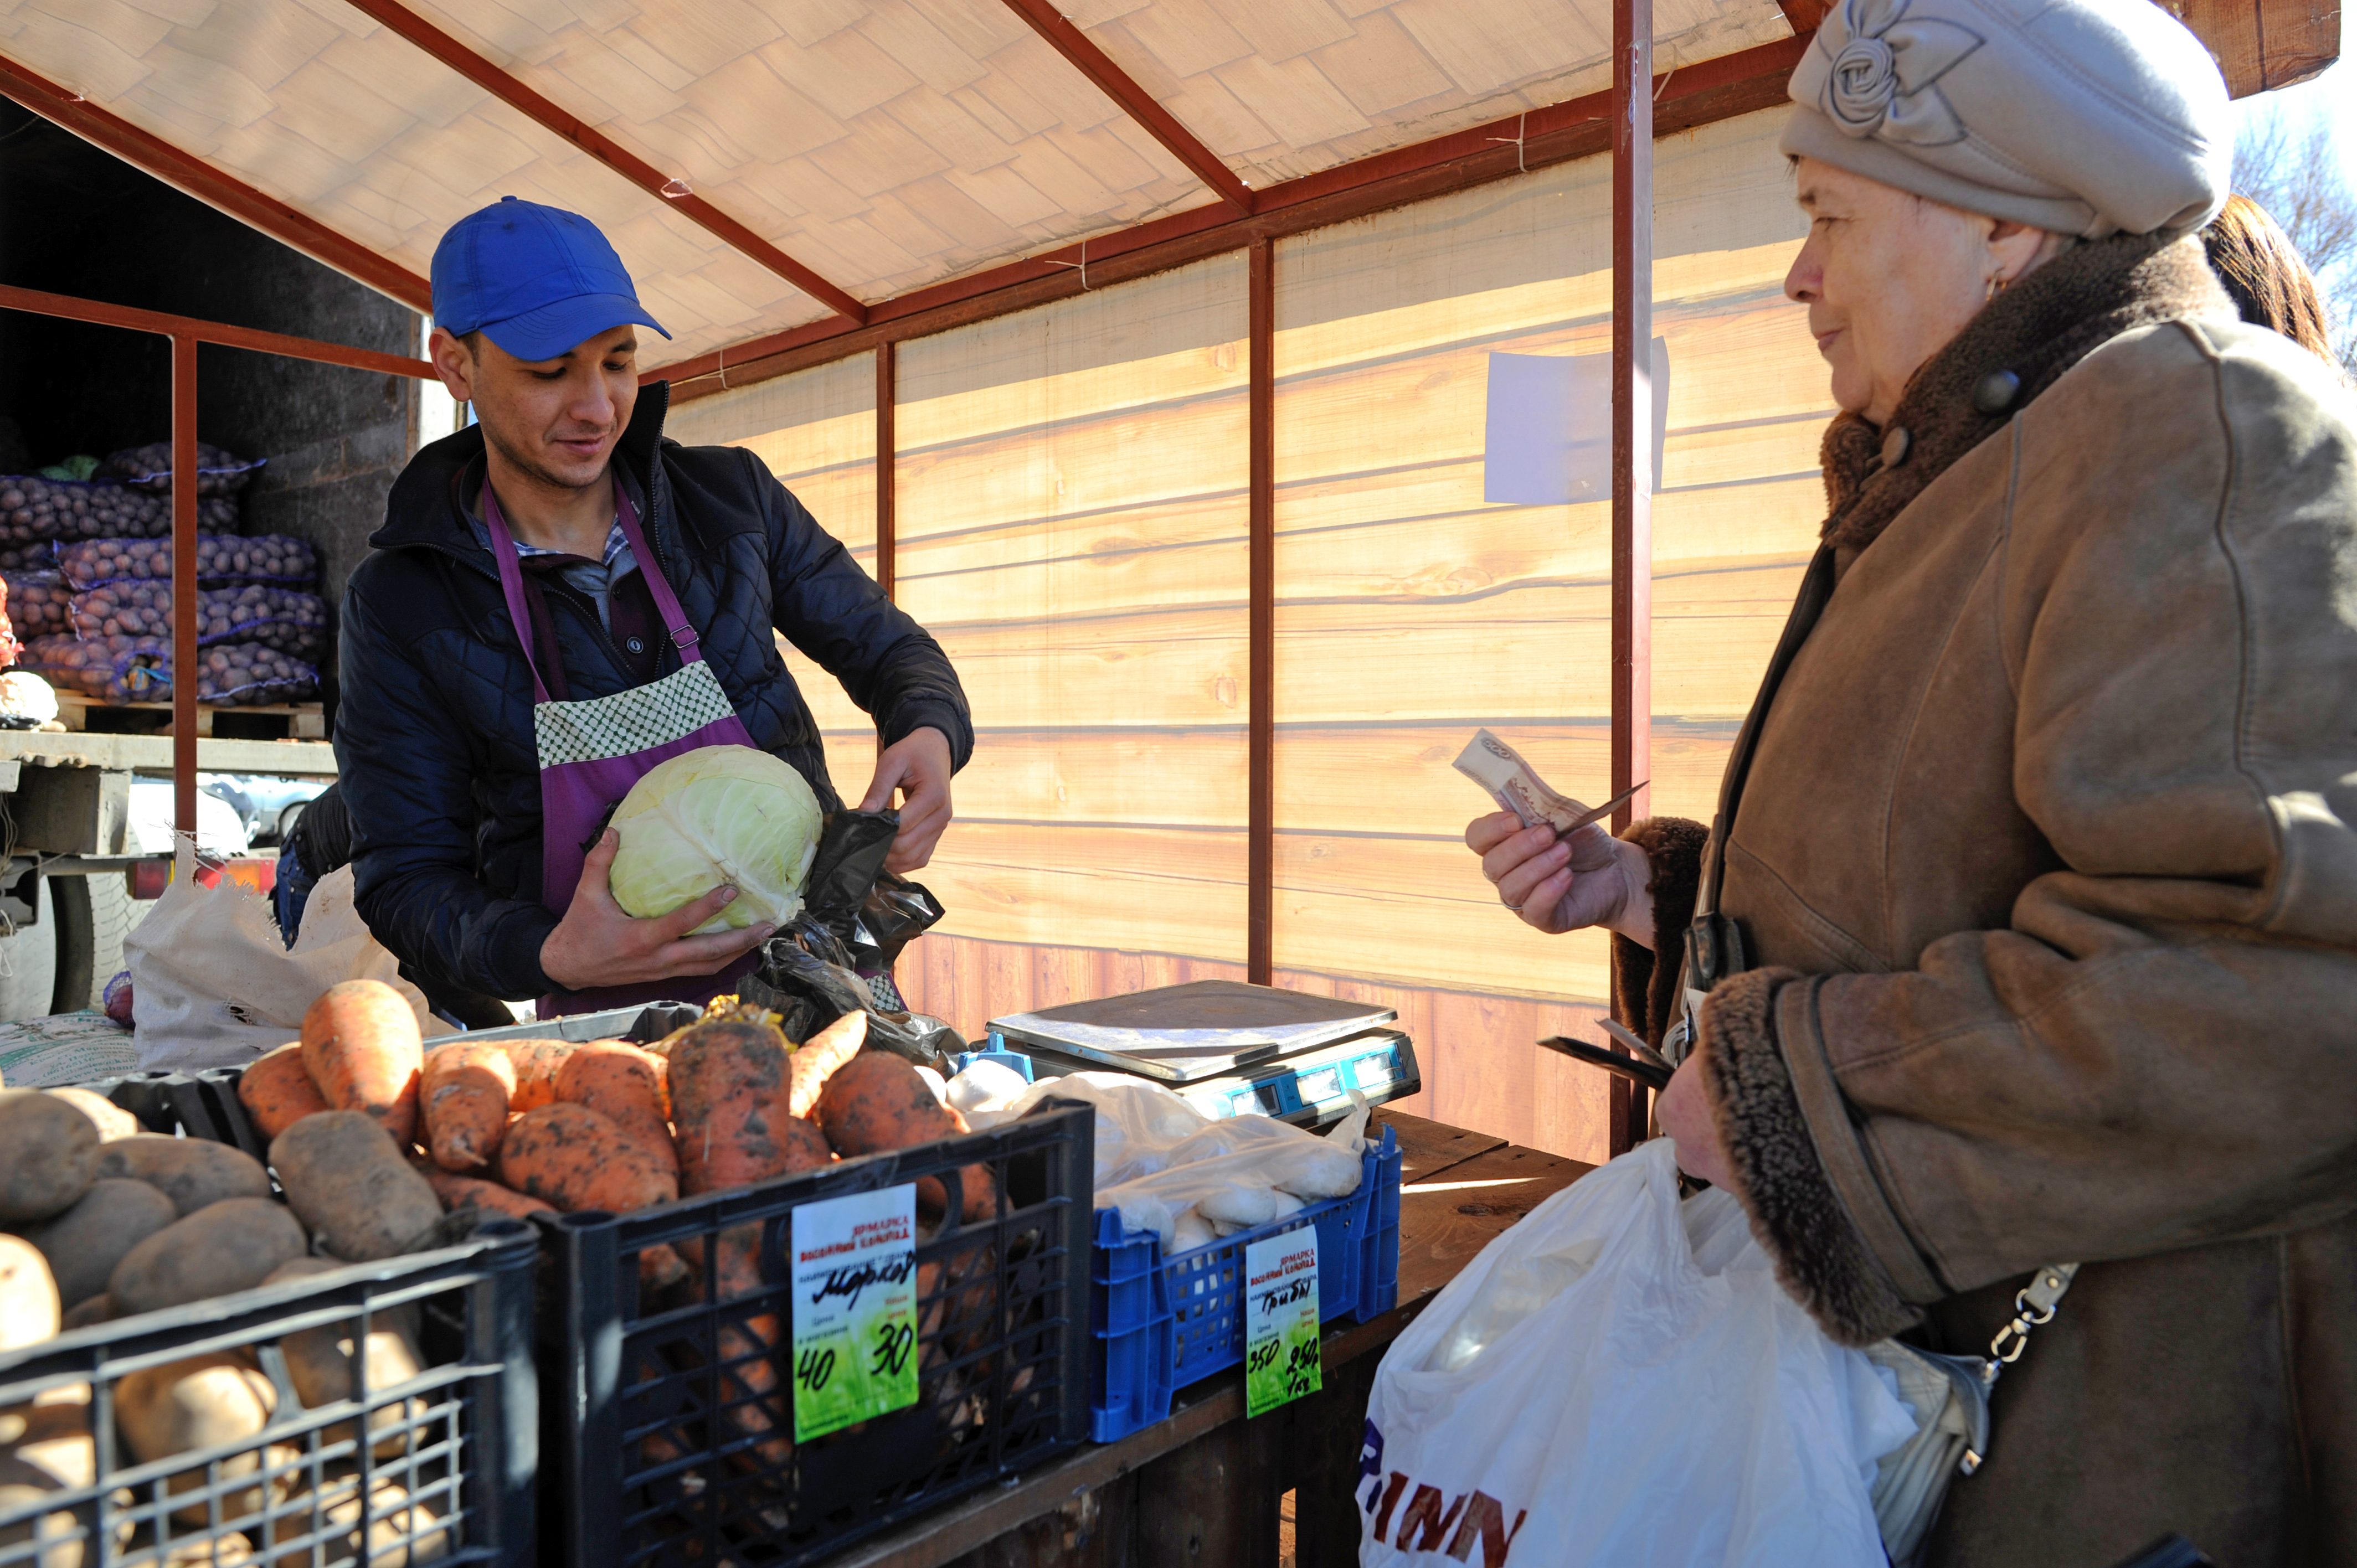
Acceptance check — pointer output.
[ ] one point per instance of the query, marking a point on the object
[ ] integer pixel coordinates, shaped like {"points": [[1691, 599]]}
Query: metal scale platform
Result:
{"points": [[1228, 1049]]}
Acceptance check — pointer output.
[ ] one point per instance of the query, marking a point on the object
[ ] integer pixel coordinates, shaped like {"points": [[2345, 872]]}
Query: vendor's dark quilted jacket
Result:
{"points": [[434, 735]]}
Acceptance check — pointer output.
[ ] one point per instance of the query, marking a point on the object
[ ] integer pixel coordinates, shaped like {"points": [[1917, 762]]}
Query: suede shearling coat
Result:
{"points": [[2046, 870]]}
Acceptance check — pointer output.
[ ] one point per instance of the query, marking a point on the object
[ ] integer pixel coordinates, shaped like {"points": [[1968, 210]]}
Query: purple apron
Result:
{"points": [[592, 752]]}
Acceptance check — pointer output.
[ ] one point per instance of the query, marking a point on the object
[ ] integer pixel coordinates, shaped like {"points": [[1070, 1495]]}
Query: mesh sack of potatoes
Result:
{"points": [[283, 618], [39, 603], [244, 673], [34, 507], [149, 467], [111, 669], [274, 559]]}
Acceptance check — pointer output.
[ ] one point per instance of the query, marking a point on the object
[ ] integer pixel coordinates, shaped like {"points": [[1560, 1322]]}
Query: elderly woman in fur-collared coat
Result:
{"points": [[2043, 870]]}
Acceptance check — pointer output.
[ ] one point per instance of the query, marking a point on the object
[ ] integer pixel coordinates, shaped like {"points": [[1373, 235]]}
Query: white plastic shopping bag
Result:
{"points": [[214, 984], [1620, 1380]]}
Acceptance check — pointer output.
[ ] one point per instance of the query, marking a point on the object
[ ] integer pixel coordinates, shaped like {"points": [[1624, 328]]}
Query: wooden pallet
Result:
{"points": [[263, 721]]}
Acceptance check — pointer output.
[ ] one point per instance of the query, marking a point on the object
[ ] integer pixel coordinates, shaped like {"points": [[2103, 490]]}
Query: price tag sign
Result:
{"points": [[1281, 1348], [854, 1279]]}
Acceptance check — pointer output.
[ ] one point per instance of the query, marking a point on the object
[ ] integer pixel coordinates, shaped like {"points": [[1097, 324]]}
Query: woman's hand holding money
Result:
{"points": [[1588, 879]]}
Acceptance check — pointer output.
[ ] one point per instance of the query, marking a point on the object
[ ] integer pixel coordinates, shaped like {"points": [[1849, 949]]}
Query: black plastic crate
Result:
{"points": [[460, 1439], [676, 1425]]}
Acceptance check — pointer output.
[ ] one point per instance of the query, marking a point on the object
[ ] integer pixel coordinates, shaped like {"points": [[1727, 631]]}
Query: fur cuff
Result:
{"points": [[1821, 1257], [1644, 985]]}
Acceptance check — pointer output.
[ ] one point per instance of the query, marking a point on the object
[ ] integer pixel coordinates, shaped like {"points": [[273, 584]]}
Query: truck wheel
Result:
{"points": [[94, 914], [28, 965]]}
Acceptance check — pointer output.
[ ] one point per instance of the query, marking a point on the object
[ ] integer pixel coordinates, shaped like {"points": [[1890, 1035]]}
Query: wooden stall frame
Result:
{"points": [[185, 333], [1260, 745], [1632, 458]]}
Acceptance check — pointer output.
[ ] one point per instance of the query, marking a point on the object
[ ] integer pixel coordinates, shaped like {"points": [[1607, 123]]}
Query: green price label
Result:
{"points": [[854, 1278], [1282, 1354]]}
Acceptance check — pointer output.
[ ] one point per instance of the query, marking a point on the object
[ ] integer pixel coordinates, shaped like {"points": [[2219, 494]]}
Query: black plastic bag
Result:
{"points": [[897, 912], [803, 977], [873, 912], [850, 850]]}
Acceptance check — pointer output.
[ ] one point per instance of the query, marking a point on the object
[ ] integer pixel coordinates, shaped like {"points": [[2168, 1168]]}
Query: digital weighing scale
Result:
{"points": [[1228, 1049]]}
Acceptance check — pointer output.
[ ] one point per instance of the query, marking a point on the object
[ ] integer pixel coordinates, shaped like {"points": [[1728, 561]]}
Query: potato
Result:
{"points": [[223, 1247], [194, 1172], [392, 1517], [205, 1401], [84, 1243], [45, 1448], [230, 1549], [346, 1177], [29, 1295], [319, 1361], [99, 1308], [48, 1154], [110, 1120]]}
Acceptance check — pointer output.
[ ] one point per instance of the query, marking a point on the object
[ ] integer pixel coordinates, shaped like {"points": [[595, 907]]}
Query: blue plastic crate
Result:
{"points": [[1159, 1323]]}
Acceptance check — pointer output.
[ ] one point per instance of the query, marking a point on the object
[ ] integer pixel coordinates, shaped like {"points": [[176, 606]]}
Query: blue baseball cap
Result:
{"points": [[535, 280]]}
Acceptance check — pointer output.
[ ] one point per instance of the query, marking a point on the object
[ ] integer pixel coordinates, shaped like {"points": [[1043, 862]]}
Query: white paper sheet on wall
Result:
{"points": [[1548, 440]]}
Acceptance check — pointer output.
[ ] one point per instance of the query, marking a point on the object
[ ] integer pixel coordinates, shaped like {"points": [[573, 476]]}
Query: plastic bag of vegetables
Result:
{"points": [[720, 813]]}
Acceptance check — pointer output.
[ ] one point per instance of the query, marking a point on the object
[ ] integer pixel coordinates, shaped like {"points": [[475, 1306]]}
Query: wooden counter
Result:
{"points": [[1203, 1489]]}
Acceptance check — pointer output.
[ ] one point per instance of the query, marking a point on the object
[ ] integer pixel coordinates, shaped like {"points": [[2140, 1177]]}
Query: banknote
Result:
{"points": [[1515, 785]]}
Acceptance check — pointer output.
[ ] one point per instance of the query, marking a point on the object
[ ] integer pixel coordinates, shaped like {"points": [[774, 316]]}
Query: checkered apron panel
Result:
{"points": [[640, 719]]}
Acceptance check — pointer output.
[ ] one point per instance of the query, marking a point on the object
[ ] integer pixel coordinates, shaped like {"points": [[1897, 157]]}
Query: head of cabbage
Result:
{"points": [[718, 814]]}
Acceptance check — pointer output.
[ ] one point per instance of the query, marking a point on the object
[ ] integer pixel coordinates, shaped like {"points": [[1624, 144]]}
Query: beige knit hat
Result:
{"points": [[2087, 117]]}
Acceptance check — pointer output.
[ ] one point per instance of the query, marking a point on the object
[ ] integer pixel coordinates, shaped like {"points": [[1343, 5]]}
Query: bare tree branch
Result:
{"points": [[2294, 173]]}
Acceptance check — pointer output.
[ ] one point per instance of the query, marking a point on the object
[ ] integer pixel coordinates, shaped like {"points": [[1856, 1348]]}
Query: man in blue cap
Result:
{"points": [[559, 599]]}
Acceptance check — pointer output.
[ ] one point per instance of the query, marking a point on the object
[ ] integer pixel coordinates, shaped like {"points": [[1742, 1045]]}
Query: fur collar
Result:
{"points": [[2035, 331]]}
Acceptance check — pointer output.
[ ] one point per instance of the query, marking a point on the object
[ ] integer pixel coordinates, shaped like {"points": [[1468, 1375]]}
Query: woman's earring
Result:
{"points": [[1996, 286]]}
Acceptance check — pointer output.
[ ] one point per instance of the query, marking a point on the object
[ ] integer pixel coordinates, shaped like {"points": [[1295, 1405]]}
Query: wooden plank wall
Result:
{"points": [[1410, 610], [1072, 523]]}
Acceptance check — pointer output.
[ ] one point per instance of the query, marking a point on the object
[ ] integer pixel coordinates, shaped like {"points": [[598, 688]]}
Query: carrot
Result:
{"points": [[626, 1086], [876, 1102], [360, 1045], [457, 1191], [537, 1063], [462, 1093], [823, 1056], [729, 1097], [752, 1395], [277, 1091], [571, 1157]]}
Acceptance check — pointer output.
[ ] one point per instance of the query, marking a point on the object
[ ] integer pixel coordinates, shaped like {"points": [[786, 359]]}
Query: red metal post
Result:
{"points": [[183, 584], [887, 467], [1260, 818], [1632, 401], [1632, 451]]}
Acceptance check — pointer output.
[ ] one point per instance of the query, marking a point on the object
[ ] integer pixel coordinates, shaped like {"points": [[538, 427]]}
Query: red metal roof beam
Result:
{"points": [[1118, 85], [504, 87], [133, 319], [176, 168]]}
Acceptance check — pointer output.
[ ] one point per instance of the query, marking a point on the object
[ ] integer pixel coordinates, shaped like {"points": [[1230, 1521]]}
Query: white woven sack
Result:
{"points": [[214, 984]]}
